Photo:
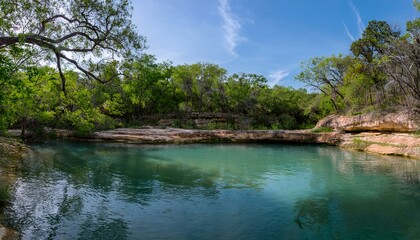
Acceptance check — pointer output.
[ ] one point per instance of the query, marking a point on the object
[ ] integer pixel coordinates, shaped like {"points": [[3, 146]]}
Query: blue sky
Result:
{"points": [[267, 37]]}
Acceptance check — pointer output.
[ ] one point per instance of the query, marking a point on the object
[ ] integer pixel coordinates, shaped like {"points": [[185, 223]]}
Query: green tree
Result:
{"points": [[413, 27], [283, 108], [326, 75], [358, 89], [374, 40], [371, 49], [242, 91], [66, 30], [199, 85], [148, 86], [8, 85], [402, 67]]}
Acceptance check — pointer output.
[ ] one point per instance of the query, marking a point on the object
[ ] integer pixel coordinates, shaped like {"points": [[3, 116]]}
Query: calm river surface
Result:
{"points": [[75, 190]]}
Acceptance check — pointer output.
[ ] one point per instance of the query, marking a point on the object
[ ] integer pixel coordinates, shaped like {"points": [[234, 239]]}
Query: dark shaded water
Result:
{"points": [[71, 190]]}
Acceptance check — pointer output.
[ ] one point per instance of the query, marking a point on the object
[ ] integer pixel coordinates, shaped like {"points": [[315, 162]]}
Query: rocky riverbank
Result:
{"points": [[392, 134], [383, 133], [11, 151], [174, 135], [397, 122], [399, 144]]}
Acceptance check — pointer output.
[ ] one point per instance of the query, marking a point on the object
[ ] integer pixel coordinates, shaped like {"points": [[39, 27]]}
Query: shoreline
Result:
{"points": [[383, 143], [11, 152], [395, 144]]}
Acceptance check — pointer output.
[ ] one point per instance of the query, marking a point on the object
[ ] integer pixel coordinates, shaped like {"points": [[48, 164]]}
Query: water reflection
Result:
{"points": [[70, 190], [364, 195]]}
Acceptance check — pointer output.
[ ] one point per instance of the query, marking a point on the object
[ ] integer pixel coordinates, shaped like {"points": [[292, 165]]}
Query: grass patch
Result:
{"points": [[360, 144], [363, 144], [417, 133]]}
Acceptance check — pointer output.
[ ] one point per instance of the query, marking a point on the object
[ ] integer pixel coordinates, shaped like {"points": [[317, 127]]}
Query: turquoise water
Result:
{"points": [[73, 190]]}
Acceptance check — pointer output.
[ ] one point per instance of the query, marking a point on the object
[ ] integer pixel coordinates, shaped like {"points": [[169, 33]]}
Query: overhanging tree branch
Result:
{"points": [[70, 28]]}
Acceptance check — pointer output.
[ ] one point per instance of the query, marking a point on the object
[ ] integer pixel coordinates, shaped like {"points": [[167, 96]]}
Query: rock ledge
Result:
{"points": [[399, 144], [175, 135], [377, 122]]}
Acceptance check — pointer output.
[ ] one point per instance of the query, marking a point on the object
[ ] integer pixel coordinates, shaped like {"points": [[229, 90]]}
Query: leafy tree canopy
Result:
{"points": [[73, 33], [374, 39]]}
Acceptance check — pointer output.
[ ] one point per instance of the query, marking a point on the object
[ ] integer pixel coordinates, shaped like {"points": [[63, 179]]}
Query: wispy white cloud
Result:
{"points": [[275, 77], [348, 32], [231, 27], [356, 12]]}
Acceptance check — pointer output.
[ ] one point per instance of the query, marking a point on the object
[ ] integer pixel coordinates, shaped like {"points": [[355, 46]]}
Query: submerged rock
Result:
{"points": [[378, 122], [8, 234]]}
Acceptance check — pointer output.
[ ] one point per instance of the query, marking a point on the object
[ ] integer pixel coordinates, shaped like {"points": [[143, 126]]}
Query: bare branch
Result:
{"points": [[63, 79]]}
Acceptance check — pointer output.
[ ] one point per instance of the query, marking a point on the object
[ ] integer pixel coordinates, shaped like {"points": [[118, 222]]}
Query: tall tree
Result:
{"points": [[372, 50], [242, 91], [72, 33], [326, 74], [402, 63], [200, 86], [374, 40], [413, 26]]}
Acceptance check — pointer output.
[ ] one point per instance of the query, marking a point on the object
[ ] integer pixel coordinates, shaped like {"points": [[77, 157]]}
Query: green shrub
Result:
{"points": [[217, 125]]}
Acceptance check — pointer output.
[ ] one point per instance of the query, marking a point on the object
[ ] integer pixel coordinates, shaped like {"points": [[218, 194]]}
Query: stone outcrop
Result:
{"points": [[385, 122], [174, 135], [399, 144]]}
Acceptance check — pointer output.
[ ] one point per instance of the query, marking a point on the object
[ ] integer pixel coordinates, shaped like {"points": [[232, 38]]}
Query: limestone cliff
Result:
{"points": [[175, 135], [373, 122], [400, 144]]}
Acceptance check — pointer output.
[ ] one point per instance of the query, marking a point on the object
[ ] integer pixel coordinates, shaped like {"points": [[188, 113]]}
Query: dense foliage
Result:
{"points": [[78, 65], [382, 73], [32, 97]]}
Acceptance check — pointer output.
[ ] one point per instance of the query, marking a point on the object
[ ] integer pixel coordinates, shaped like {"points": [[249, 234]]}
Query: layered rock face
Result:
{"points": [[174, 135], [386, 133], [403, 122], [397, 144]]}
